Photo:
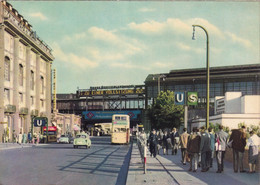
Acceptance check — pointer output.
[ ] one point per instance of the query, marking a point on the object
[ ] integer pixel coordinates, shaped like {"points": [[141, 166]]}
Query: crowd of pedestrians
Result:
{"points": [[201, 146]]}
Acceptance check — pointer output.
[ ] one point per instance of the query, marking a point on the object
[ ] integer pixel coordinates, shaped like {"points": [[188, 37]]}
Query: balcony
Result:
{"points": [[23, 111], [10, 109], [34, 112]]}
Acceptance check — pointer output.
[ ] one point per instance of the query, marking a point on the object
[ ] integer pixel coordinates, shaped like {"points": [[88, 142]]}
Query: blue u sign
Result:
{"points": [[179, 98], [39, 122]]}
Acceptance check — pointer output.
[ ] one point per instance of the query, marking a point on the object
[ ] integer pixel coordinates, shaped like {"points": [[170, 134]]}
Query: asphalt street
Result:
{"points": [[49, 164]]}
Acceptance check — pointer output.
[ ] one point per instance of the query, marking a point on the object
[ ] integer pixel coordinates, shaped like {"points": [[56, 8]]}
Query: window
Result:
{"points": [[42, 103], [20, 97], [42, 84], [20, 74], [7, 95], [32, 80], [32, 100], [7, 69]]}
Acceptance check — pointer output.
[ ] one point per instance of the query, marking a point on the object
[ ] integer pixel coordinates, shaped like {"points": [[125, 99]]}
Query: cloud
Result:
{"points": [[38, 15], [147, 27], [73, 59], [146, 10], [241, 41]]}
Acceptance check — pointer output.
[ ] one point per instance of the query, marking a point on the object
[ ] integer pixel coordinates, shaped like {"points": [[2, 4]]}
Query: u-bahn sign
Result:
{"points": [[40, 121], [188, 98]]}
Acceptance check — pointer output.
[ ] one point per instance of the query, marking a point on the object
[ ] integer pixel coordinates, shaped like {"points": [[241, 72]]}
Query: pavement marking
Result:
{"points": [[174, 179]]}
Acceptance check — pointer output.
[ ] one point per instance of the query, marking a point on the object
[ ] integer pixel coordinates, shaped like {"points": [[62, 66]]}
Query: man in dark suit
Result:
{"points": [[238, 138], [221, 144]]}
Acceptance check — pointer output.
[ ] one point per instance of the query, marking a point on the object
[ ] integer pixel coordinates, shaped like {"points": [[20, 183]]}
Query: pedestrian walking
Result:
{"points": [[220, 145], [20, 138], [205, 150], [160, 140], [175, 141], [29, 137], [183, 143], [212, 145], [153, 140], [193, 149], [238, 140], [38, 138], [253, 144], [166, 142]]}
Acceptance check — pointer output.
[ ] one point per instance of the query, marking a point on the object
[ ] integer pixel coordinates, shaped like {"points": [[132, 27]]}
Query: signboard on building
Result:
{"points": [[220, 106], [96, 92], [92, 115]]}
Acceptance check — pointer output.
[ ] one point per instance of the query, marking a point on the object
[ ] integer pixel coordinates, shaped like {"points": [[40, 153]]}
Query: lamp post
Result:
{"points": [[207, 60], [159, 77]]}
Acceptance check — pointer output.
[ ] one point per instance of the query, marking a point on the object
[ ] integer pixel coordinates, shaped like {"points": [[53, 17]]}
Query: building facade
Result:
{"points": [[237, 78], [233, 109], [25, 74]]}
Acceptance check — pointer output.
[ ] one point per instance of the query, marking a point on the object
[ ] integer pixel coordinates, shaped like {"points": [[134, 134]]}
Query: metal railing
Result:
{"points": [[142, 145]]}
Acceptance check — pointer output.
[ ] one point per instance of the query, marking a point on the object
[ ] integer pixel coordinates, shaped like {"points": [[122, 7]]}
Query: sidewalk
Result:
{"points": [[8, 146], [168, 169]]}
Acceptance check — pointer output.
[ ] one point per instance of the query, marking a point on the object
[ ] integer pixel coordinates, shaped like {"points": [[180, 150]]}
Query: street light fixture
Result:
{"points": [[159, 77], [207, 60]]}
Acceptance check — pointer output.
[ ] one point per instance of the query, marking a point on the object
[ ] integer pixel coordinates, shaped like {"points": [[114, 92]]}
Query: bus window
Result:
{"points": [[123, 129], [117, 117], [123, 118]]}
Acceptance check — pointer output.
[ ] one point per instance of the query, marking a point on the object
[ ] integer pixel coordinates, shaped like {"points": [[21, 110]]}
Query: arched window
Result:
{"points": [[7, 69], [20, 74], [32, 80]]}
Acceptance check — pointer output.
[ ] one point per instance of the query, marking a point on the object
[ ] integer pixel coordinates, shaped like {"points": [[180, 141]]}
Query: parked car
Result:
{"points": [[63, 139], [82, 139]]}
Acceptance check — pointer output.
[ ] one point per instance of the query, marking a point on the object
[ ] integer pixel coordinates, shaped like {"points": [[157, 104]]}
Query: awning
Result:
{"points": [[76, 128]]}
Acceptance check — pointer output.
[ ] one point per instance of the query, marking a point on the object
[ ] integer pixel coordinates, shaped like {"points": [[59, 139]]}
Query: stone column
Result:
{"points": [[37, 87], [15, 74], [2, 65], [48, 92], [28, 89]]}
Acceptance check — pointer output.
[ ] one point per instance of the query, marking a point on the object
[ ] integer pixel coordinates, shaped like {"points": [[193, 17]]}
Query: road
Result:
{"points": [[58, 164]]}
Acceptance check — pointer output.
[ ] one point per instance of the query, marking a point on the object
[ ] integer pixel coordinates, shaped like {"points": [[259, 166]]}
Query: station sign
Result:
{"points": [[192, 98], [186, 98], [179, 98], [40, 121]]}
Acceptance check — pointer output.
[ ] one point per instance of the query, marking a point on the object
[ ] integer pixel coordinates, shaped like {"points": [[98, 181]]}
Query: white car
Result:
{"points": [[63, 139]]}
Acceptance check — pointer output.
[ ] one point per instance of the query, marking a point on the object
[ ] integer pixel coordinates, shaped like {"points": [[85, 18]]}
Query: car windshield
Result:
{"points": [[81, 136]]}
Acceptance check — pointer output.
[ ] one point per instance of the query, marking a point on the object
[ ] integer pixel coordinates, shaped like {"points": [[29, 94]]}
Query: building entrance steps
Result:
{"points": [[168, 169]]}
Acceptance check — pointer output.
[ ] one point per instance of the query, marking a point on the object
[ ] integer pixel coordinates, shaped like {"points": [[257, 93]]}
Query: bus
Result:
{"points": [[103, 128], [120, 129]]}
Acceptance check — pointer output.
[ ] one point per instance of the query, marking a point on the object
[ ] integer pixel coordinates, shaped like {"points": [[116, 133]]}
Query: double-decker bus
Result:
{"points": [[120, 129]]}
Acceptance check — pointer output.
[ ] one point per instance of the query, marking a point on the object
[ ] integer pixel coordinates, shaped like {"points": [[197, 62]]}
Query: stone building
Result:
{"points": [[25, 74]]}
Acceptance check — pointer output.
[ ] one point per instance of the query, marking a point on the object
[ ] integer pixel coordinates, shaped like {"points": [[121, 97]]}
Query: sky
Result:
{"points": [[121, 42]]}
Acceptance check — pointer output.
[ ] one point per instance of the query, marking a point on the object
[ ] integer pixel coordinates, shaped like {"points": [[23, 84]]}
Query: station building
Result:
{"points": [[25, 74], [237, 78]]}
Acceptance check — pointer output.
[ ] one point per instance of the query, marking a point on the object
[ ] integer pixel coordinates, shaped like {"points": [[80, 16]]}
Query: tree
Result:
{"points": [[164, 113]]}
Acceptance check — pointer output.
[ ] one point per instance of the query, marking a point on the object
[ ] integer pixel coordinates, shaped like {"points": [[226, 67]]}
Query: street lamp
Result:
{"points": [[159, 77], [207, 59]]}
